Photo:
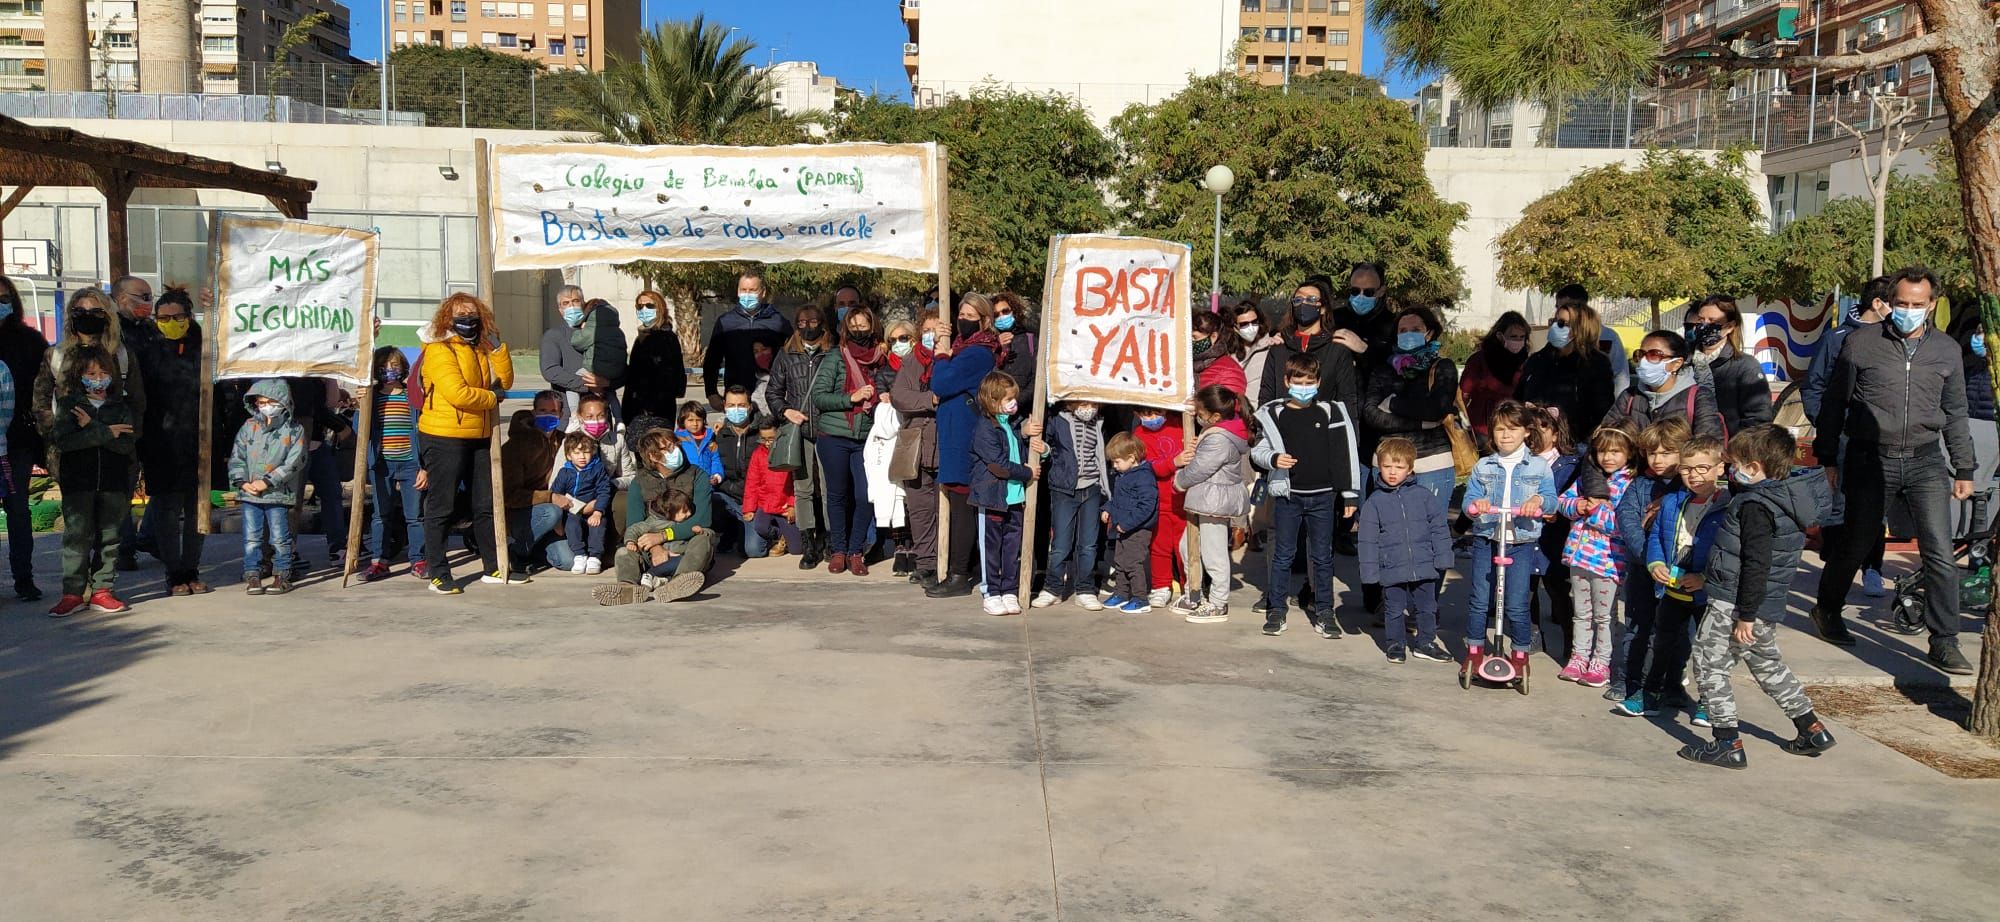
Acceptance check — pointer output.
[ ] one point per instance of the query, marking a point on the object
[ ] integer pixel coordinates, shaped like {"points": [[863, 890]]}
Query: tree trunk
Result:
{"points": [[1881, 218], [1967, 70]]}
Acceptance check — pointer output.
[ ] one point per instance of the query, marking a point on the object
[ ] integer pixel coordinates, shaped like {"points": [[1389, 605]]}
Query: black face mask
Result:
{"points": [[1305, 315], [862, 338], [967, 328], [89, 323], [811, 334], [466, 327], [1703, 335]]}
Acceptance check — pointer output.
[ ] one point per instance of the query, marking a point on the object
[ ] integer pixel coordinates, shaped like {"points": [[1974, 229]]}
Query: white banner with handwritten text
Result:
{"points": [[1119, 321]]}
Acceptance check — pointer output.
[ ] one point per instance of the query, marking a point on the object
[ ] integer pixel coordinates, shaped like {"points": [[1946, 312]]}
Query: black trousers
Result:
{"points": [[964, 536], [451, 463]]}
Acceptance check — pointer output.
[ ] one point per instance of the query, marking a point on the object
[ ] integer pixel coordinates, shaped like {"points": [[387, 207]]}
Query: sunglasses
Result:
{"points": [[903, 338], [1364, 292], [1004, 312], [1658, 355]]}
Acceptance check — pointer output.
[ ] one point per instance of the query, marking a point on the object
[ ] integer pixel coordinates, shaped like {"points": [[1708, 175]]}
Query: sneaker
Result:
{"points": [[1398, 653], [497, 578], [179, 589], [592, 566], [994, 605], [1433, 651], [1187, 603], [1725, 753], [27, 592], [1260, 606], [1596, 675], [1811, 742], [1325, 625], [1700, 718], [1274, 624], [376, 571], [618, 594], [649, 582], [420, 570], [680, 587], [1115, 603], [1044, 599], [1013, 603], [1639, 704], [1615, 693], [1158, 598], [1832, 628], [1136, 606], [102, 600], [577, 566], [1087, 601], [253, 584], [278, 586], [1871, 583], [1573, 671], [443, 586], [67, 606], [1945, 655], [1208, 614]]}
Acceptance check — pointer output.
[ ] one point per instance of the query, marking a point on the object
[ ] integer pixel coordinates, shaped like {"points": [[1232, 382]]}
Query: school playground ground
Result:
{"points": [[819, 747]]}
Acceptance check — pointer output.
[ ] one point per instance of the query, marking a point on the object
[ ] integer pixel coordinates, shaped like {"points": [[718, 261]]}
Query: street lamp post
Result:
{"points": [[382, 75], [1218, 182], [1288, 57]]}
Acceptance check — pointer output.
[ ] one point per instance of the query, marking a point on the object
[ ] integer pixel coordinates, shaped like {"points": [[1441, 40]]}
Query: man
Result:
{"points": [[583, 352], [534, 440], [134, 299], [845, 299], [170, 449], [1871, 309], [1896, 388], [730, 359]]}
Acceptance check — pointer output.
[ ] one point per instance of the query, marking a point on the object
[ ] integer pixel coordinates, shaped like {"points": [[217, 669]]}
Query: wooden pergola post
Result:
{"points": [[116, 187]]}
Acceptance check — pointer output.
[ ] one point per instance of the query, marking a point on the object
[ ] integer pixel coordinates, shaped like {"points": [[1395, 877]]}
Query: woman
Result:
{"points": [[1253, 348], [1017, 339], [1570, 374], [656, 376], [23, 350], [1305, 330], [1493, 371], [466, 367], [845, 393], [1215, 354], [878, 454], [170, 452], [789, 393], [1664, 386], [1714, 331], [911, 395], [1411, 394], [89, 324], [955, 375], [1970, 331]]}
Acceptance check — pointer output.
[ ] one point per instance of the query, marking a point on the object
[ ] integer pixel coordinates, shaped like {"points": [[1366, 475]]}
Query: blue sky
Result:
{"points": [[858, 42]]}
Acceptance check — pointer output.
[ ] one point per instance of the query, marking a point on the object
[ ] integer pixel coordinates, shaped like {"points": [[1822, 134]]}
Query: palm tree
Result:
{"points": [[690, 85]]}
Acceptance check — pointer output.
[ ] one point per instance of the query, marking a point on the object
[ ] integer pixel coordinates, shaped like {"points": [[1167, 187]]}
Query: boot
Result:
{"points": [[951, 587], [814, 550]]}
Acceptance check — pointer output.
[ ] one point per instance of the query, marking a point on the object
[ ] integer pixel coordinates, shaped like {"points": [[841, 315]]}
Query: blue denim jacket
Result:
{"points": [[1491, 481]]}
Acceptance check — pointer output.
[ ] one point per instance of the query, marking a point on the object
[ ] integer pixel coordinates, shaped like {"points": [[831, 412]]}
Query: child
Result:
{"points": [[1757, 549], [1549, 439], [1128, 521], [697, 442], [596, 417], [1678, 540], [1510, 481], [1308, 446], [1001, 474], [1162, 438], [267, 467], [769, 506], [92, 435], [583, 489], [1079, 480], [1660, 473], [650, 560], [1596, 557], [393, 450], [1211, 474], [1404, 543]]}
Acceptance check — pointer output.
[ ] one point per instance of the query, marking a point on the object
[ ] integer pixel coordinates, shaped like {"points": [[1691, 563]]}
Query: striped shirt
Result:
{"points": [[394, 420], [1083, 436]]}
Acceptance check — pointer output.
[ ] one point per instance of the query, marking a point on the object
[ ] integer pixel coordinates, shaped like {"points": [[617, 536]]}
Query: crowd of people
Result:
{"points": [[1649, 499]]}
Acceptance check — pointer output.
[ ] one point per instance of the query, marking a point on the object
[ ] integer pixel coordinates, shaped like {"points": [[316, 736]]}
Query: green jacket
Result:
{"points": [[649, 484], [272, 450], [89, 458], [829, 397], [677, 533]]}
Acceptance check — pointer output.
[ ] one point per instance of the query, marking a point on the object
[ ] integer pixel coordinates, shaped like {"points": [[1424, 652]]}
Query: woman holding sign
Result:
{"points": [[955, 377], [465, 367]]}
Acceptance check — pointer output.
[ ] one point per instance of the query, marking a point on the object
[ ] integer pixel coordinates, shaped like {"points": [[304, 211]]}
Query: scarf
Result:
{"points": [[1501, 363], [860, 368], [1411, 364], [987, 338], [1217, 348]]}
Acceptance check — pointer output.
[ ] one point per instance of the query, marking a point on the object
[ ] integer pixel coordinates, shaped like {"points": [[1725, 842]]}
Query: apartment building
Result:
{"points": [[158, 46], [797, 87], [576, 34], [1308, 36]]}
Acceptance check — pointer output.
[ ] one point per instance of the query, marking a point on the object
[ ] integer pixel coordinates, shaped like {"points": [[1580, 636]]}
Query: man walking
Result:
{"points": [[1896, 388]]}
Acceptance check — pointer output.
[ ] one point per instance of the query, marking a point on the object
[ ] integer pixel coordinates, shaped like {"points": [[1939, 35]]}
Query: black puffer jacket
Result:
{"points": [[655, 378], [1978, 378], [1752, 568], [1427, 397], [735, 449], [24, 350], [1579, 385], [170, 450], [790, 387], [1740, 391]]}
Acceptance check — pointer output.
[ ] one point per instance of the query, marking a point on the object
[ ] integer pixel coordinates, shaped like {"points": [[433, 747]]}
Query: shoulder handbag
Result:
{"points": [[1464, 451], [788, 450]]}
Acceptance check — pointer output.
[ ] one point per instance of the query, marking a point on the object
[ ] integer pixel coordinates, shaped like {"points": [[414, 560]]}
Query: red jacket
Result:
{"points": [[1226, 371], [766, 490], [1162, 447]]}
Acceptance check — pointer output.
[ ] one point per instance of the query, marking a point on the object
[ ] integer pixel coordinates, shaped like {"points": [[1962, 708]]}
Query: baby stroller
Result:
{"points": [[1975, 581]]}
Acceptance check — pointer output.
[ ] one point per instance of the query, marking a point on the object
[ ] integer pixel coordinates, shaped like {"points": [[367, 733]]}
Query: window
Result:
{"points": [[402, 10], [119, 40], [458, 40], [507, 40], [489, 38], [1340, 8], [1252, 6], [1687, 23], [11, 67], [579, 11], [581, 43], [218, 17], [1249, 33], [402, 38], [555, 14], [1673, 30], [490, 9], [224, 43], [1337, 37], [556, 48], [457, 11], [1340, 65]]}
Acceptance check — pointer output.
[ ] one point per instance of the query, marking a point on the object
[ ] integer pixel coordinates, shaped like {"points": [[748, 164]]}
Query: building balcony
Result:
{"points": [[1767, 49], [910, 59], [912, 10], [1732, 16]]}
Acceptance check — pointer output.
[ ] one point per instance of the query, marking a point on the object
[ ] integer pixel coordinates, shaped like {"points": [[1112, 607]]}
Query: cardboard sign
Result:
{"points": [[293, 299], [1119, 321], [560, 205]]}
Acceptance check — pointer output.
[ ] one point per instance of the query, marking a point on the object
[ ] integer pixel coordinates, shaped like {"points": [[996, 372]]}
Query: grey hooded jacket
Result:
{"points": [[271, 450]]}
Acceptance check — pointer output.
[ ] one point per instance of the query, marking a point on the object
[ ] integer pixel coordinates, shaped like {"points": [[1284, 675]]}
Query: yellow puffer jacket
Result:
{"points": [[458, 379]]}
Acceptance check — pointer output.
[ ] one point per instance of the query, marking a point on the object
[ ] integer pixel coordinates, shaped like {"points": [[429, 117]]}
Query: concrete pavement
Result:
{"points": [[840, 747]]}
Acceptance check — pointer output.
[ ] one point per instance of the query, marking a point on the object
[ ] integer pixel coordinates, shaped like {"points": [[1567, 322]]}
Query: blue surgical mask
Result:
{"points": [[1410, 341], [840, 312], [6, 308], [1978, 343], [646, 316], [1362, 304], [95, 384], [747, 302], [1742, 478], [1908, 319], [1153, 423], [547, 422], [572, 315], [1303, 393], [930, 340], [1652, 373], [903, 348], [736, 416], [1559, 335], [672, 459], [1003, 323]]}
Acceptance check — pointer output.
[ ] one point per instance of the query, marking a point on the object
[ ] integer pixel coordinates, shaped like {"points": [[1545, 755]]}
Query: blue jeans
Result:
{"points": [[556, 551], [1483, 574], [1440, 483], [766, 528], [262, 524], [395, 482], [729, 526], [1073, 518], [323, 472], [1315, 513], [849, 517], [1420, 597]]}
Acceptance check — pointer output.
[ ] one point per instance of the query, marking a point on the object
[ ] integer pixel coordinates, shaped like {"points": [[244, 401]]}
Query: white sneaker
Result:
{"points": [[648, 582], [1158, 598], [1871, 583], [1043, 599], [592, 566], [576, 567], [1013, 603], [1087, 601], [994, 605], [1187, 603]]}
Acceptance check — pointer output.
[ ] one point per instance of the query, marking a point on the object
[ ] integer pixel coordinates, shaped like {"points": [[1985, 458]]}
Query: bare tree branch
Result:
{"points": [[1727, 58]]}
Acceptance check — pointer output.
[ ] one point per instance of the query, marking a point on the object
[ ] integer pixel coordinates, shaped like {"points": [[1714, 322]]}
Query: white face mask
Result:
{"points": [[271, 410], [1086, 414], [1249, 332]]}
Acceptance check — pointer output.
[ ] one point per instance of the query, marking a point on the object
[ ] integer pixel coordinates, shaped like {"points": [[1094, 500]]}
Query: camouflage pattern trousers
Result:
{"points": [[1716, 653]]}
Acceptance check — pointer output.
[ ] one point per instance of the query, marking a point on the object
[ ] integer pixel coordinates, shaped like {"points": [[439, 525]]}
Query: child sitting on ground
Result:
{"points": [[1404, 543], [1509, 482], [649, 564], [267, 466], [1757, 549], [93, 442], [582, 489], [1128, 521], [697, 442], [1596, 558], [1678, 541], [769, 505]]}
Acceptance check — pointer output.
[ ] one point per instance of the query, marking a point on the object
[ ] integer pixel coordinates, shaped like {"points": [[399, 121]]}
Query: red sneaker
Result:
{"points": [[421, 570], [102, 600], [66, 606], [375, 571]]}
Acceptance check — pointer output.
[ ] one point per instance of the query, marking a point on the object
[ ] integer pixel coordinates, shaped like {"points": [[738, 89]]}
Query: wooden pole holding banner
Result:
{"points": [[205, 427], [1191, 538], [947, 312], [364, 431], [1038, 412], [485, 192]]}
